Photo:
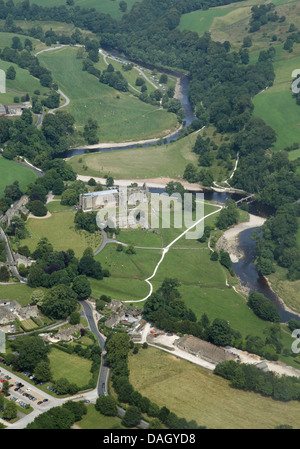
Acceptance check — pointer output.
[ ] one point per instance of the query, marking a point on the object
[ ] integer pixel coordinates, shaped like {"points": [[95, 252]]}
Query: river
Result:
{"points": [[245, 268]]}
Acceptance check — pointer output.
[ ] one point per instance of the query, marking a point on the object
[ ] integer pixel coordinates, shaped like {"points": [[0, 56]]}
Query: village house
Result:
{"points": [[14, 211], [64, 334], [16, 110]]}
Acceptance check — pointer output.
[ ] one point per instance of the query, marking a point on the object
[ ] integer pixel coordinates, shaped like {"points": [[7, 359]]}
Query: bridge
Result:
{"points": [[249, 199]]}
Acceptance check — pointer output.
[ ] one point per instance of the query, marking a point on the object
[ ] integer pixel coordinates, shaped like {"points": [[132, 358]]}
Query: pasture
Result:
{"points": [[204, 397], [10, 171], [120, 116]]}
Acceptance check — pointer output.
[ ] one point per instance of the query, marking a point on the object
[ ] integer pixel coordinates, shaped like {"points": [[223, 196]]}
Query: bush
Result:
{"points": [[37, 208]]}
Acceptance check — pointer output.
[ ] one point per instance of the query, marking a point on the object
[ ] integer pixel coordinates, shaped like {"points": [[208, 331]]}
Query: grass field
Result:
{"points": [[128, 273], [60, 231], [16, 292], [194, 393], [276, 106], [103, 6], [11, 171], [94, 420], [70, 366], [133, 74], [150, 162], [6, 40], [22, 84], [201, 21], [120, 116]]}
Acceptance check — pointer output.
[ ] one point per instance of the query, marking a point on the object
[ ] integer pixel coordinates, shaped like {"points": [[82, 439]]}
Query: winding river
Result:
{"points": [[245, 268]]}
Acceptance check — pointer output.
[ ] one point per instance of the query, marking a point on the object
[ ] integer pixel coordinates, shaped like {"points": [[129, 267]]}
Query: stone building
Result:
{"points": [[203, 349]]}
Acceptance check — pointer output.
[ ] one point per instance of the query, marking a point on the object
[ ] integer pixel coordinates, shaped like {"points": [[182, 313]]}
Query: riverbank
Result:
{"points": [[230, 239], [158, 183], [282, 302]]}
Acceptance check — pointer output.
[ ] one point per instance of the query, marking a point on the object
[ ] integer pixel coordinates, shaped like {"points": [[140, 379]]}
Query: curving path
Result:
{"points": [[166, 249]]}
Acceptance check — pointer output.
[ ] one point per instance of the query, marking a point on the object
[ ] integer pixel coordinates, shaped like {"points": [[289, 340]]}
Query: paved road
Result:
{"points": [[10, 257], [104, 371]]}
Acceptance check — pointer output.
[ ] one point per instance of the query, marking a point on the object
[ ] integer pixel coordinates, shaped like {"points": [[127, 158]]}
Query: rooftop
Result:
{"points": [[101, 193]]}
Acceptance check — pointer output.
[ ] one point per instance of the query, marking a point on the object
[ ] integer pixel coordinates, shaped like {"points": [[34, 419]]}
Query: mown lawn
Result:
{"points": [[94, 420], [70, 366], [10, 171], [61, 233], [128, 273], [120, 116], [16, 292], [195, 393]]}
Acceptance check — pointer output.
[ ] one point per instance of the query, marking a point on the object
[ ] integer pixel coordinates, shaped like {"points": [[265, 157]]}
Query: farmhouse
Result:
{"points": [[16, 109], [200, 348]]}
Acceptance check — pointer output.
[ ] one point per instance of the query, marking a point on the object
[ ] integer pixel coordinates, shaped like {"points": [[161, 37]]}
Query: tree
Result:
{"points": [[78, 409], [106, 405], [32, 350], [163, 79], [75, 318], [69, 197], [42, 371], [59, 302], [220, 332], [4, 274], [132, 417], [37, 208], [81, 287], [90, 132], [109, 181], [11, 73], [10, 411], [123, 6], [5, 387]]}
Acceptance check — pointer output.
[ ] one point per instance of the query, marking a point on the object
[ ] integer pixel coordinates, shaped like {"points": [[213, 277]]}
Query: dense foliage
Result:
{"points": [[251, 378]]}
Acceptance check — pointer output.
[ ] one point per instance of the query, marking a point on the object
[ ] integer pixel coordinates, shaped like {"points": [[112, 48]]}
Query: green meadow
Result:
{"points": [[103, 6], [60, 230], [276, 105], [200, 21], [200, 395], [120, 116], [10, 171]]}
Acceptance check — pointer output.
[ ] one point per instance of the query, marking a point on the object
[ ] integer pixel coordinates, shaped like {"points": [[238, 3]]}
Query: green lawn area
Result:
{"points": [[128, 273], [6, 40], [60, 231], [22, 84], [16, 292], [94, 420], [141, 237], [276, 106], [10, 171], [121, 116], [200, 21], [151, 162], [70, 366], [103, 6], [200, 395]]}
